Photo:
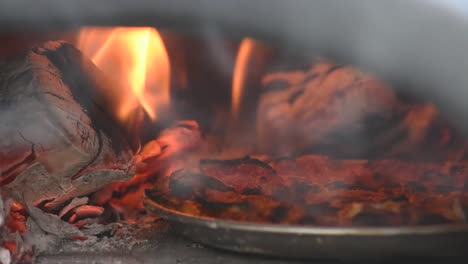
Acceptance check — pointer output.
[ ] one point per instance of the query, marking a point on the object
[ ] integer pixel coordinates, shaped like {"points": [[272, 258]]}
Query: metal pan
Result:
{"points": [[305, 242]]}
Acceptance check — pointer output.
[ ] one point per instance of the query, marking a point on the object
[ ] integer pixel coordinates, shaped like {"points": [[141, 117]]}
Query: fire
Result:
{"points": [[246, 49], [136, 58]]}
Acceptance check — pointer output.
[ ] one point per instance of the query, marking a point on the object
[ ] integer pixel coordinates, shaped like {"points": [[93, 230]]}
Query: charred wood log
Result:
{"points": [[58, 142]]}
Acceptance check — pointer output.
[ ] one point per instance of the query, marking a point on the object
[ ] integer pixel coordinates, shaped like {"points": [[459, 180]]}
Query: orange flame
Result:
{"points": [[137, 59], [240, 72]]}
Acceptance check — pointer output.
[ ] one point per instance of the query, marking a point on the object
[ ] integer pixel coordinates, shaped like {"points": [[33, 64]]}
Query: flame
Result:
{"points": [[240, 72], [136, 58]]}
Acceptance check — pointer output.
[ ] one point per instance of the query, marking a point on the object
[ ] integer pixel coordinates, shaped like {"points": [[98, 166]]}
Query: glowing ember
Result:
{"points": [[137, 59]]}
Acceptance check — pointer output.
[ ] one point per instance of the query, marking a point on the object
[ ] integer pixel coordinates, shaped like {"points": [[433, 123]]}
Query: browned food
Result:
{"points": [[344, 112], [262, 178], [316, 190]]}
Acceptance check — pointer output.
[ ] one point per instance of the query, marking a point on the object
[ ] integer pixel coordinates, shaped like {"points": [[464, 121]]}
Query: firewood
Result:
{"points": [[58, 141]]}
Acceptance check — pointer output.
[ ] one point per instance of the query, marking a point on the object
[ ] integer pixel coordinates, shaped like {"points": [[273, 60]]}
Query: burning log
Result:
{"points": [[61, 142]]}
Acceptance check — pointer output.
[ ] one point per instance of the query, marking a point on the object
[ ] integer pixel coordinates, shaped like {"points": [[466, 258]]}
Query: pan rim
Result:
{"points": [[214, 223]]}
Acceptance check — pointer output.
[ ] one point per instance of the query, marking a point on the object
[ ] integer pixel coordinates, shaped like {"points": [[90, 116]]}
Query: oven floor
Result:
{"points": [[164, 246]]}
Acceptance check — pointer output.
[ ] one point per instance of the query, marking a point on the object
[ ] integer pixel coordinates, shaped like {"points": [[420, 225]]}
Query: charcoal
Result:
{"points": [[74, 203]]}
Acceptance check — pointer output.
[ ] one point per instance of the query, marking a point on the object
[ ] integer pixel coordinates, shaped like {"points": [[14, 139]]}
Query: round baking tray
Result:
{"points": [[306, 242]]}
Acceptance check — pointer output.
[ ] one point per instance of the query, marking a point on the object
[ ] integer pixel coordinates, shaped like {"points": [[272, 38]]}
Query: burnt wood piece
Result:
{"points": [[340, 111], [58, 142]]}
